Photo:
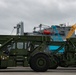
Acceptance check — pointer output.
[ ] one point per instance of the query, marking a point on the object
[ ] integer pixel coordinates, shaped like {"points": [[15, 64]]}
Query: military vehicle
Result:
{"points": [[29, 50]]}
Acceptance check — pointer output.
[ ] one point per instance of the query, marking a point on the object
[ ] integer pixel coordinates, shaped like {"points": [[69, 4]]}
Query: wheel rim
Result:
{"points": [[41, 62]]}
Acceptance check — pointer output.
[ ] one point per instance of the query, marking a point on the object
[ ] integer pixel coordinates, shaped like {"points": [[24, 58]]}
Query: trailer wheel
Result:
{"points": [[3, 67], [63, 64], [40, 62], [54, 67], [56, 61]]}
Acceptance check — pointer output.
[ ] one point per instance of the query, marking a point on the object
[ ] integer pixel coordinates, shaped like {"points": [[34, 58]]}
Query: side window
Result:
{"points": [[13, 46], [28, 46], [20, 45], [9, 47], [36, 46]]}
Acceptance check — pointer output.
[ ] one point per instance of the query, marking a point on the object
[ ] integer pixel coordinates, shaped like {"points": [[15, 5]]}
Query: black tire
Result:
{"points": [[63, 64], [56, 60], [40, 62], [54, 67], [3, 67]]}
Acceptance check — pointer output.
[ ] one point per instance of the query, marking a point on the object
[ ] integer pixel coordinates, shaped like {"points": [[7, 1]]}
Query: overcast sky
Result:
{"points": [[35, 12]]}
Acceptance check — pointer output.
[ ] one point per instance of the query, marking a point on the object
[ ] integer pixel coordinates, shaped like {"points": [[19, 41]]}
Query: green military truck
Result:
{"points": [[24, 50], [32, 51]]}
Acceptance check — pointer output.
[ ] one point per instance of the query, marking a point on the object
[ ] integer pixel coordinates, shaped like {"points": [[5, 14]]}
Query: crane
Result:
{"points": [[56, 37], [71, 31]]}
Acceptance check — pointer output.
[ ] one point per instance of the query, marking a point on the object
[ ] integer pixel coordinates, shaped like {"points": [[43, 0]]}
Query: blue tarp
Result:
{"points": [[53, 48]]}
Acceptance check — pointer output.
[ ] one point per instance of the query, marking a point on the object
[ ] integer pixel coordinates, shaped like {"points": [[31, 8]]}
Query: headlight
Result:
{"points": [[3, 57]]}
